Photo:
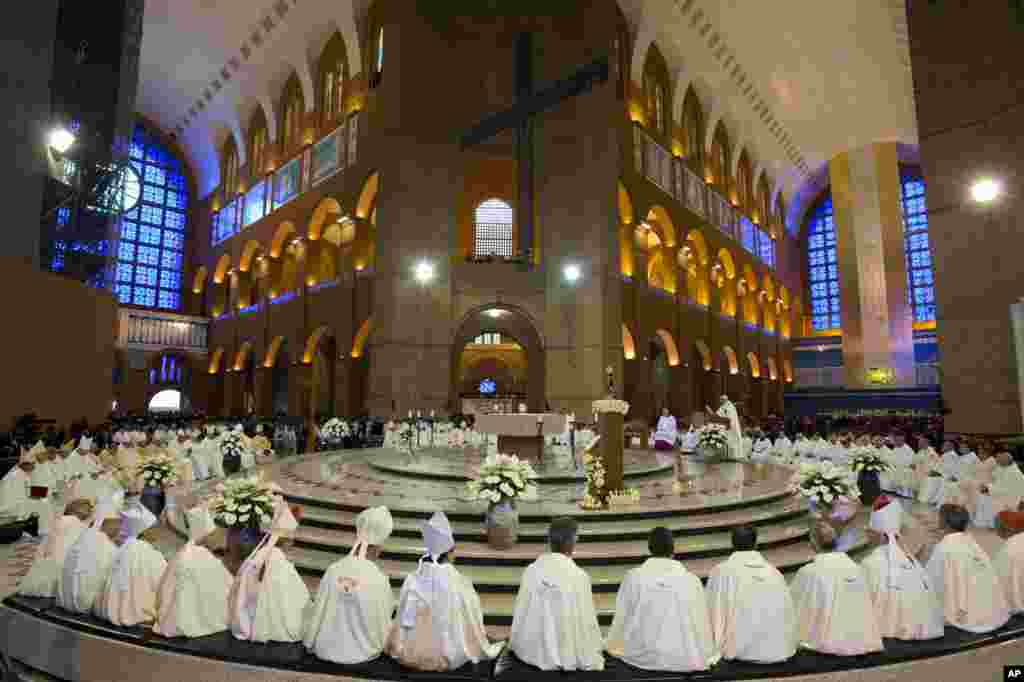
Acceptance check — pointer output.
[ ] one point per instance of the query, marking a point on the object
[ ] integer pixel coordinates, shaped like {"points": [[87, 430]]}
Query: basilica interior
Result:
{"points": [[284, 213]]}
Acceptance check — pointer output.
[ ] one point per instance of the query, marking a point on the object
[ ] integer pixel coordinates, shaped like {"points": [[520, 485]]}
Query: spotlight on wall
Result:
{"points": [[985, 190], [61, 139], [495, 313], [423, 272], [572, 273]]}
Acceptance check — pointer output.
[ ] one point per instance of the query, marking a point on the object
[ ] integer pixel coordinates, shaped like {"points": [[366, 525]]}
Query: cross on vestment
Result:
{"points": [[520, 116]]}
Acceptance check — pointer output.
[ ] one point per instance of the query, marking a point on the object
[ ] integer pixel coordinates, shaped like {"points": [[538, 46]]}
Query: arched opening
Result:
{"points": [[731, 363], [626, 265], [723, 274], [244, 400], [278, 362], [221, 290], [493, 229], [663, 356], [169, 401], [322, 355], [628, 344], [497, 336], [703, 379], [694, 258]]}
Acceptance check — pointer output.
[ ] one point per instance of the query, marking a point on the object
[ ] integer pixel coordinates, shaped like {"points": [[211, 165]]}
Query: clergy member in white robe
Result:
{"points": [[751, 610], [67, 525], [661, 614], [1009, 566], [554, 626], [666, 432], [129, 596], [906, 606], [835, 614], [351, 615], [439, 624], [87, 564], [964, 578], [1005, 494], [689, 441], [16, 502], [269, 598], [192, 597]]}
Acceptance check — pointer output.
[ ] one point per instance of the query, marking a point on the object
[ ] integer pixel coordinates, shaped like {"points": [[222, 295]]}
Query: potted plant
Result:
{"points": [[712, 442], [231, 448], [831, 492], [242, 506], [500, 481], [868, 466], [157, 473], [333, 434]]}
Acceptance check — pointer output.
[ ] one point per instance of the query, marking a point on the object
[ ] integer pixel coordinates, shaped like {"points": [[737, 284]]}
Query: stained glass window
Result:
{"points": [[822, 269], [920, 275], [149, 256], [493, 237], [747, 237], [765, 247]]}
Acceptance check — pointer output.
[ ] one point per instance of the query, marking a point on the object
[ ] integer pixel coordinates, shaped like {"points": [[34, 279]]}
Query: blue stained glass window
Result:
{"points": [[149, 254], [747, 237], [766, 248], [920, 278], [63, 215], [822, 269]]}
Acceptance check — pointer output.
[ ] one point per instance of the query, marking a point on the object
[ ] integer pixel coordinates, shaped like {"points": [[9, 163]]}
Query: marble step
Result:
{"points": [[592, 529], [605, 551], [604, 577]]}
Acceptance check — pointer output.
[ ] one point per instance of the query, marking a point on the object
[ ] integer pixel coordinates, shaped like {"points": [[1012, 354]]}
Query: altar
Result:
{"points": [[522, 434]]}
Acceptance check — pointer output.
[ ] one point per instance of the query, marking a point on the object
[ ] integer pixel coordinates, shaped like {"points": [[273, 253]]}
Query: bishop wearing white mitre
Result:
{"points": [[964, 578], [87, 564], [439, 625], [906, 605], [129, 596], [192, 598], [15, 500], [1005, 494], [554, 626], [66, 525], [835, 614], [661, 614], [751, 609], [268, 600], [351, 615]]}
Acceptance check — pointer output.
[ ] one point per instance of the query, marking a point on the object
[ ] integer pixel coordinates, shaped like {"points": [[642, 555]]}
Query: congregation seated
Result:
{"points": [[554, 626], [439, 623], [661, 615], [351, 616], [66, 526], [16, 501], [964, 578], [834, 611], [905, 604]]}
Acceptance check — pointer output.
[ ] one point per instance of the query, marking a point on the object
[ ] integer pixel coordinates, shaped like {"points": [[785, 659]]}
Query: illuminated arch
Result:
{"points": [[223, 265], [242, 355], [750, 278], [252, 248], [359, 344], [662, 225], [215, 360], [199, 280], [325, 213], [670, 347], [284, 231], [270, 359], [695, 240], [341, 232], [787, 368], [625, 206], [755, 365], [727, 263], [705, 354], [730, 359], [628, 345], [784, 297], [773, 370], [660, 273], [368, 196], [768, 287], [314, 340]]}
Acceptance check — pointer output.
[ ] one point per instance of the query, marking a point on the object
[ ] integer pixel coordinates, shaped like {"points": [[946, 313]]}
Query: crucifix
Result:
{"points": [[529, 103]]}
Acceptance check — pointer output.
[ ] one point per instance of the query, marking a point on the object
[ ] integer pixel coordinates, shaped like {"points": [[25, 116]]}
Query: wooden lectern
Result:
{"points": [[611, 426]]}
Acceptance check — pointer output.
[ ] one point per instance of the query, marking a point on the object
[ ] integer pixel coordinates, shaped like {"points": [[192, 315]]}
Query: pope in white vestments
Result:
{"points": [[192, 597], [67, 525], [87, 563], [129, 596], [554, 626], [751, 609], [905, 604], [439, 624], [667, 431], [351, 615], [661, 614], [268, 600], [964, 578], [835, 614]]}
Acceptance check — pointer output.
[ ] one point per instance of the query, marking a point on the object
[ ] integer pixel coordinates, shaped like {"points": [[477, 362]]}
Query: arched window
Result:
{"points": [[822, 269], [920, 276], [168, 369], [257, 143], [332, 79], [720, 159], [492, 229], [743, 183], [655, 86], [693, 125], [379, 62], [292, 108], [149, 256], [488, 339], [230, 183]]}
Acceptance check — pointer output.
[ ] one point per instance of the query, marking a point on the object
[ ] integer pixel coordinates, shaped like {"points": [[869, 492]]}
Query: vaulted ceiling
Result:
{"points": [[795, 82]]}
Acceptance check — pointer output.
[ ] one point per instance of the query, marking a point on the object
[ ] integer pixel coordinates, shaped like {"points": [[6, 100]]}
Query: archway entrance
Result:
{"points": [[659, 377], [324, 361], [279, 381], [168, 402], [497, 358]]}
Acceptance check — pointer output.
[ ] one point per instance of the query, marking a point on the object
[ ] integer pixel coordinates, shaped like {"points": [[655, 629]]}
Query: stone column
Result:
{"points": [[877, 319]]}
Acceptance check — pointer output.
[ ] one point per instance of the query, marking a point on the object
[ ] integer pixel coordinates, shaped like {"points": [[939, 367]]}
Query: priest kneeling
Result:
{"points": [[351, 616], [834, 610], [440, 625], [554, 626], [661, 614]]}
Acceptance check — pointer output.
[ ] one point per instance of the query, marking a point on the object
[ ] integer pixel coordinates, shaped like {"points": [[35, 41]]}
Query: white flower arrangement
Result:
{"points": [[231, 444], [158, 471], [244, 503], [825, 483], [503, 478], [713, 437], [865, 459], [334, 431], [595, 497], [611, 405], [624, 498]]}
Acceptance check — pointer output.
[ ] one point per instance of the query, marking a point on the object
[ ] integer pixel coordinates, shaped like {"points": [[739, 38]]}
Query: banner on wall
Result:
{"points": [[328, 156], [286, 181]]}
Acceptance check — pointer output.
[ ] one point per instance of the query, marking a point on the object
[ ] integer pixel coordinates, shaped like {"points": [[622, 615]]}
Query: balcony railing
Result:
{"points": [[159, 331]]}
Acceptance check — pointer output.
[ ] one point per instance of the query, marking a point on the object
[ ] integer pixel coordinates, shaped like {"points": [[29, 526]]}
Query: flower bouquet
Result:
{"points": [[595, 496], [231, 447], [825, 484], [243, 503], [333, 433], [503, 479], [865, 459], [712, 441], [158, 471]]}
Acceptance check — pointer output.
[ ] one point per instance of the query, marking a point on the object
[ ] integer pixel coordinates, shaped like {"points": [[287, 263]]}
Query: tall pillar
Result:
{"points": [[877, 319]]}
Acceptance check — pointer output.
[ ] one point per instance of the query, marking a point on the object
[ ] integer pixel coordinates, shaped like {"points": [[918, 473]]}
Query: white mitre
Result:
{"points": [[373, 526], [437, 535]]}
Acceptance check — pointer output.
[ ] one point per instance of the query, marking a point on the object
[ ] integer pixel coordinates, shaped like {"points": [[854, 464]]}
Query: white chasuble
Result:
{"points": [[906, 606], [192, 597], [972, 597], [1009, 566], [834, 610]]}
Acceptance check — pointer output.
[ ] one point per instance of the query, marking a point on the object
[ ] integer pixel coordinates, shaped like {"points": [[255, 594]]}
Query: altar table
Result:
{"points": [[517, 433]]}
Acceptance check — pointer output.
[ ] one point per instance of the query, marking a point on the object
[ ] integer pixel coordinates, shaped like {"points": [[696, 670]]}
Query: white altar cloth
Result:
{"points": [[521, 425]]}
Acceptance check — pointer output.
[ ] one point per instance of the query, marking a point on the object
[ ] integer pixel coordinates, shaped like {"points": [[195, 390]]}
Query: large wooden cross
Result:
{"points": [[530, 103]]}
